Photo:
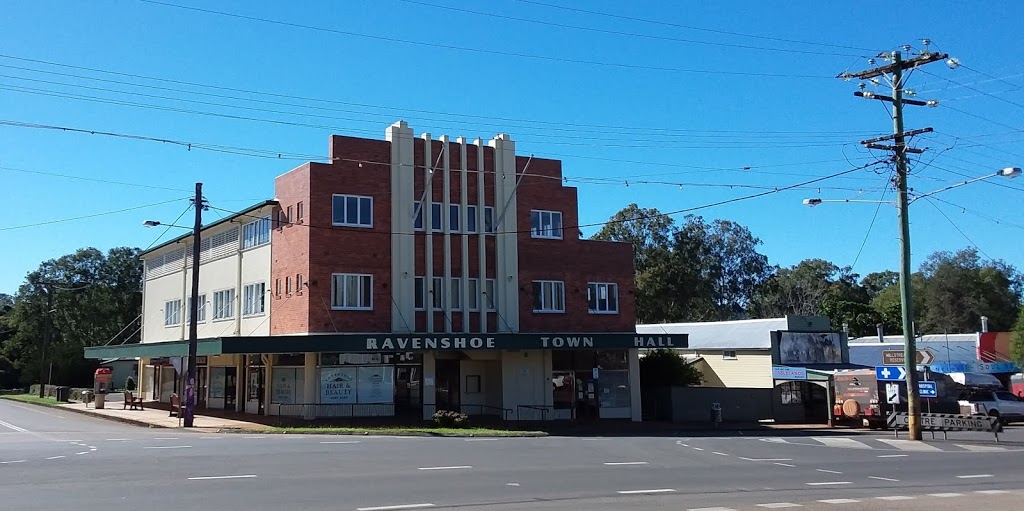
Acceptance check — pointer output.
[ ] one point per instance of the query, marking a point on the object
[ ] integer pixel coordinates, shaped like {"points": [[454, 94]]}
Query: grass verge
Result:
{"points": [[411, 431], [30, 398]]}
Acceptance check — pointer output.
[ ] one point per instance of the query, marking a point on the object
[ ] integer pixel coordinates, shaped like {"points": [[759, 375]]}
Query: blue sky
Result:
{"points": [[634, 111]]}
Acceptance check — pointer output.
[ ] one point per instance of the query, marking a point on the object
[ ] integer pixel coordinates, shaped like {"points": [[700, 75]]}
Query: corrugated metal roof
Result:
{"points": [[870, 354], [928, 338], [747, 334], [228, 218]]}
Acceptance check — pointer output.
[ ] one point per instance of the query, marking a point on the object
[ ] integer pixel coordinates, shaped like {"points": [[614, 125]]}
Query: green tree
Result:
{"points": [[960, 288], [889, 306], [666, 368], [1017, 342], [876, 282], [647, 229]]}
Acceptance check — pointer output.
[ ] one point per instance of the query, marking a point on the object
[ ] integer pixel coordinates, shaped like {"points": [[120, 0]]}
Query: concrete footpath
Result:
{"points": [[156, 417]]}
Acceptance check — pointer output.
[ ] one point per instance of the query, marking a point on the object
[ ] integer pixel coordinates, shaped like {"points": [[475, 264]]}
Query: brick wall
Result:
{"points": [[290, 255]]}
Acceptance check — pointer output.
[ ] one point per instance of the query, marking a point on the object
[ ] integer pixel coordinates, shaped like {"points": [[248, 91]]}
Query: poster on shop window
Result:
{"points": [[376, 384], [338, 385]]}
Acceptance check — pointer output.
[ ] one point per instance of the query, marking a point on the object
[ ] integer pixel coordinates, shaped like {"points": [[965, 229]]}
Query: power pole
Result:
{"points": [[894, 70], [193, 327], [47, 338]]}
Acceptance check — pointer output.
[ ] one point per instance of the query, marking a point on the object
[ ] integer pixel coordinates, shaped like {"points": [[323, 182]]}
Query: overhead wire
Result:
{"points": [[871, 225], [94, 215], [485, 51], [957, 227]]}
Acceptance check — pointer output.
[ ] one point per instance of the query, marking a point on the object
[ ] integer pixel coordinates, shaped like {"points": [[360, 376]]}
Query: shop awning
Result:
{"points": [[387, 342]]}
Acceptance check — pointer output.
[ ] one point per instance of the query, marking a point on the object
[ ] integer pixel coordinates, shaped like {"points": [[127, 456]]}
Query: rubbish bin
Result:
{"points": [[63, 394], [716, 414], [101, 399]]}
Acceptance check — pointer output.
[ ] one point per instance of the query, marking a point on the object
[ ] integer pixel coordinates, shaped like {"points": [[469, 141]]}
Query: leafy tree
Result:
{"points": [[889, 306], [666, 368], [875, 283], [1017, 342], [735, 268], [960, 288], [647, 229]]}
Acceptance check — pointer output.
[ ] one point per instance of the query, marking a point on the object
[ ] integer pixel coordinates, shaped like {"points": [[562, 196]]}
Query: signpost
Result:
{"points": [[890, 373], [892, 393], [897, 358], [928, 389]]}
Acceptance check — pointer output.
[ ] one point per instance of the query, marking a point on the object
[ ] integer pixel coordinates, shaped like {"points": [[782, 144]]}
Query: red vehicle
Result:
{"points": [[1017, 385], [861, 399]]}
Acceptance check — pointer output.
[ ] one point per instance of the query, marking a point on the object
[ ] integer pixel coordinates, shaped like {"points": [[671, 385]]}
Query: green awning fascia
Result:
{"points": [[154, 349], [815, 375]]}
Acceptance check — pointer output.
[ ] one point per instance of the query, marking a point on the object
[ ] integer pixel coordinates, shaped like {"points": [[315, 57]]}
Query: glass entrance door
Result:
{"points": [[230, 387], [201, 384], [448, 390]]}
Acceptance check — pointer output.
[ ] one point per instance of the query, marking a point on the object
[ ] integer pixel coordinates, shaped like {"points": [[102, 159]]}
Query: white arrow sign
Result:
{"points": [[926, 357]]}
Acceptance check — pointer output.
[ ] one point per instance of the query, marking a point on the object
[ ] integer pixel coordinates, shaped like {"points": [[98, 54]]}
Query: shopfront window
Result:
{"points": [[288, 385]]}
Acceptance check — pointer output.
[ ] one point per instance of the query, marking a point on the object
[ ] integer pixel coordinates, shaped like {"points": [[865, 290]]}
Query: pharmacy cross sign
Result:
{"points": [[890, 373]]}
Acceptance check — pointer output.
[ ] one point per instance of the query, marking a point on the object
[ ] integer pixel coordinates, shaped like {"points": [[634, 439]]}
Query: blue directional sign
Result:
{"points": [[890, 373], [927, 389]]}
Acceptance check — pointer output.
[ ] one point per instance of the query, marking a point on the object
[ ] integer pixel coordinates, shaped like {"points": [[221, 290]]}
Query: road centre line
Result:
{"points": [[765, 459], [891, 480], [784, 465], [945, 495], [81, 453], [828, 483], [12, 426], [992, 492], [165, 438], [615, 463], [391, 508], [9, 462], [893, 455], [896, 497], [482, 439], [779, 505], [839, 501], [637, 492], [116, 440], [719, 453], [697, 449], [56, 457], [711, 509], [455, 467], [207, 478], [168, 447], [828, 471], [341, 442], [975, 476]]}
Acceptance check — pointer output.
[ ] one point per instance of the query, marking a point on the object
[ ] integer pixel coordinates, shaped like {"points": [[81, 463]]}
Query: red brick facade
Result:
{"points": [[315, 249]]}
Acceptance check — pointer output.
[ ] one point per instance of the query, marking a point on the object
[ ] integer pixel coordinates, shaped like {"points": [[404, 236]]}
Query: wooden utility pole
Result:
{"points": [[193, 327]]}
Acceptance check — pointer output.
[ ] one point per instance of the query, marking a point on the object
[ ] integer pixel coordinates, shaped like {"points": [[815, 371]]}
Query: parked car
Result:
{"points": [[1002, 404]]}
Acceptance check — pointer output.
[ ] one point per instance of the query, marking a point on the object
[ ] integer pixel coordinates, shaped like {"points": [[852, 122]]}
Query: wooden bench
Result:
{"points": [[175, 406], [132, 401]]}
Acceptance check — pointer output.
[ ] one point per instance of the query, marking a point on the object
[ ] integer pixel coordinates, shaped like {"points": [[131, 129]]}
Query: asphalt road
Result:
{"points": [[52, 460]]}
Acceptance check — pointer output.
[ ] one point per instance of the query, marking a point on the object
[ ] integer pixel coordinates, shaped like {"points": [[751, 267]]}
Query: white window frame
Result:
{"points": [[610, 289], [489, 291], [202, 309], [172, 312], [256, 233], [254, 302], [473, 294], [299, 211], [417, 216], [298, 283], [436, 216], [420, 294], [489, 219], [729, 355], [366, 223], [454, 220], [277, 286], [455, 296], [537, 226], [364, 279], [437, 300], [224, 313], [471, 223], [557, 290], [288, 285]]}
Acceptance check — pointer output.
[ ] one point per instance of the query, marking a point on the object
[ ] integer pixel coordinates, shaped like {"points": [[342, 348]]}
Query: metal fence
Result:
{"points": [[336, 410]]}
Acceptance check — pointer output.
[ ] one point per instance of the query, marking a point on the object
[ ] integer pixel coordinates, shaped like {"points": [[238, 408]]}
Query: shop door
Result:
{"points": [[230, 387], [586, 396], [448, 390], [256, 387], [201, 373]]}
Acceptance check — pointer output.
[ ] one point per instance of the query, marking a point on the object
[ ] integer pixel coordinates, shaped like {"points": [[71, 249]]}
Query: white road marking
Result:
{"points": [[828, 471], [12, 426], [56, 457], [482, 439], [166, 438], [168, 447], [908, 445], [684, 445], [635, 492], [15, 461], [455, 467], [980, 448], [390, 508], [896, 497], [839, 501], [891, 480], [616, 463], [945, 495], [847, 443], [779, 505], [116, 440], [775, 440], [711, 509], [206, 478], [766, 459], [974, 476], [342, 442], [992, 492], [511, 484], [784, 465], [719, 453], [828, 483], [697, 449], [893, 455]]}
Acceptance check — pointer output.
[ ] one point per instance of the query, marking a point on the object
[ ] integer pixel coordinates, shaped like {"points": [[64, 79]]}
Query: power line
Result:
{"points": [[977, 214], [628, 34], [94, 215], [169, 227], [485, 51], [692, 27], [871, 226], [95, 180], [595, 224], [958, 229], [403, 111], [968, 87]]}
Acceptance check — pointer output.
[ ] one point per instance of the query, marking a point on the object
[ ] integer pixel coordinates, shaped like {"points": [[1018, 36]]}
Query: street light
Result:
{"points": [[156, 223], [816, 201], [1008, 172]]}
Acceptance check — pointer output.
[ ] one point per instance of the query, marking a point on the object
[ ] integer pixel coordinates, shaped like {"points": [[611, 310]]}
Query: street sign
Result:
{"points": [[897, 358], [892, 393], [947, 422], [927, 389], [890, 373]]}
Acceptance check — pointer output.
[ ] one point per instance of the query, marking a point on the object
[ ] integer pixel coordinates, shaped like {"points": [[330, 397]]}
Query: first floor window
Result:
{"points": [[253, 299], [417, 216], [602, 298], [489, 297], [488, 219], [729, 355], [256, 233], [298, 282], [224, 304], [201, 316], [299, 212], [420, 293], [288, 285], [351, 291], [435, 216], [277, 287], [548, 296], [546, 224], [438, 293], [172, 312], [453, 218], [473, 294], [353, 211], [471, 218], [456, 293]]}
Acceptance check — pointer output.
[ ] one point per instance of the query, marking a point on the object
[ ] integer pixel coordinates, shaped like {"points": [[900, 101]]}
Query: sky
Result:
{"points": [[671, 108]]}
